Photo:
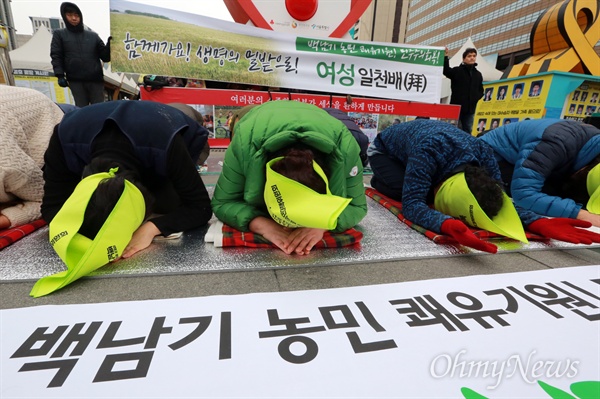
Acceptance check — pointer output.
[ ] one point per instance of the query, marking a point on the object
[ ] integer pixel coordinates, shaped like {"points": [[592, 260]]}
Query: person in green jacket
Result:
{"points": [[291, 173]]}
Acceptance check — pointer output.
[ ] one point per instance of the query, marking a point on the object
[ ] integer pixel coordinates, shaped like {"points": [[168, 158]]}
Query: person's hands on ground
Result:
{"points": [[565, 229], [303, 239], [4, 222], [272, 231], [593, 218], [142, 238], [461, 233]]}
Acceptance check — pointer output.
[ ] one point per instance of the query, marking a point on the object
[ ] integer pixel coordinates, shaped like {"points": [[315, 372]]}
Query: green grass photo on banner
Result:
{"points": [[165, 32]]}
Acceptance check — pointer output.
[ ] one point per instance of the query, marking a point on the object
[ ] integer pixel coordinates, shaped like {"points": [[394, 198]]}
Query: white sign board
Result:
{"points": [[500, 336]]}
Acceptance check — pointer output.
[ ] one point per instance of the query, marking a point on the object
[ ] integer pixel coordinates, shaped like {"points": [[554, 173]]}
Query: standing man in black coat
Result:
{"points": [[466, 83], [76, 53]]}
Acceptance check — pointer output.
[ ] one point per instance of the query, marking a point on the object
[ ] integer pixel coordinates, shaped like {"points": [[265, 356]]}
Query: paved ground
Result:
{"points": [[127, 288]]}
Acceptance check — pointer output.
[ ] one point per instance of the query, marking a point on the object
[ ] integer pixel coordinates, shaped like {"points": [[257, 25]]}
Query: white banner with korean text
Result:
{"points": [[525, 335], [163, 41]]}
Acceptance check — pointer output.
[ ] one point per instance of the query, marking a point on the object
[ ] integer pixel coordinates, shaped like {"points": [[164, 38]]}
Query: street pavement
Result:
{"points": [[15, 294]]}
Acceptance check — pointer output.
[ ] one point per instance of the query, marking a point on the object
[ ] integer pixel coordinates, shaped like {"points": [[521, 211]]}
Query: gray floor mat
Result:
{"points": [[385, 239]]}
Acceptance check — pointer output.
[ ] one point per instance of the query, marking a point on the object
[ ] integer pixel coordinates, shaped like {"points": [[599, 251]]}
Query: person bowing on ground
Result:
{"points": [[291, 173], [551, 166], [427, 162], [148, 147]]}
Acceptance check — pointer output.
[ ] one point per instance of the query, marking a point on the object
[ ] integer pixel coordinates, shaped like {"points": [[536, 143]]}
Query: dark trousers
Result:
{"points": [[166, 198], [465, 122], [388, 175], [506, 169], [86, 93]]}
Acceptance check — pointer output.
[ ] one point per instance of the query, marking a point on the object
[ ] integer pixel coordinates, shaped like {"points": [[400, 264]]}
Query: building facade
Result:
{"points": [[51, 24], [384, 21], [500, 27]]}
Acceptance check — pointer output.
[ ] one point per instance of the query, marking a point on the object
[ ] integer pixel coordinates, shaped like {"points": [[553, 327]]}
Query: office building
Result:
{"points": [[496, 26], [51, 24]]}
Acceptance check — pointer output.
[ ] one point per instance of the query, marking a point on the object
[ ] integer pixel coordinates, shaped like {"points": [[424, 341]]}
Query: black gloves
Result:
{"points": [[62, 82]]}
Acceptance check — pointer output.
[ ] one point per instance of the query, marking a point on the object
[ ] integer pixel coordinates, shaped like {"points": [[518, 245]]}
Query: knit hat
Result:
{"points": [[82, 255], [292, 204], [593, 188], [239, 114], [455, 199]]}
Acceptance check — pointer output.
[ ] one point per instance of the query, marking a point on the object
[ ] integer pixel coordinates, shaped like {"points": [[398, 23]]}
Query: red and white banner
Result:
{"points": [[245, 97]]}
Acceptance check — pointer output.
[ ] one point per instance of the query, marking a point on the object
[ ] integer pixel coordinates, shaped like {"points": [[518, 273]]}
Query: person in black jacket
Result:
{"points": [[466, 83], [76, 53], [154, 146]]}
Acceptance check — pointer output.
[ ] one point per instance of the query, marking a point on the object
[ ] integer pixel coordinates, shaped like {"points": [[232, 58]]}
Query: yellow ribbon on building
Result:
{"points": [[563, 39]]}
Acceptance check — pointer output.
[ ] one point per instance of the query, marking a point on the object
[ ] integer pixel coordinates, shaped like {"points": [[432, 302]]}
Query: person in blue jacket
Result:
{"points": [[546, 162], [410, 161]]}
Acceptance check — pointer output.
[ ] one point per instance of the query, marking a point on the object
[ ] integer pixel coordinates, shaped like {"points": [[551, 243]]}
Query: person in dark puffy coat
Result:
{"points": [[76, 53], [27, 119], [466, 83], [546, 163], [157, 153]]}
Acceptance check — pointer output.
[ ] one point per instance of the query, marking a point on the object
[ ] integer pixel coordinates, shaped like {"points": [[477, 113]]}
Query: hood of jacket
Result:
{"points": [[589, 151], [63, 13]]}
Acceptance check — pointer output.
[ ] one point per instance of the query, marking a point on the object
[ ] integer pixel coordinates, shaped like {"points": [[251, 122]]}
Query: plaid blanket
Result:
{"points": [[227, 236], [396, 208], [13, 234]]}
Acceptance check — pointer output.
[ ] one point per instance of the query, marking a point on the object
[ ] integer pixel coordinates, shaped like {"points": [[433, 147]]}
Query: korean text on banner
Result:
{"points": [[162, 41]]}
